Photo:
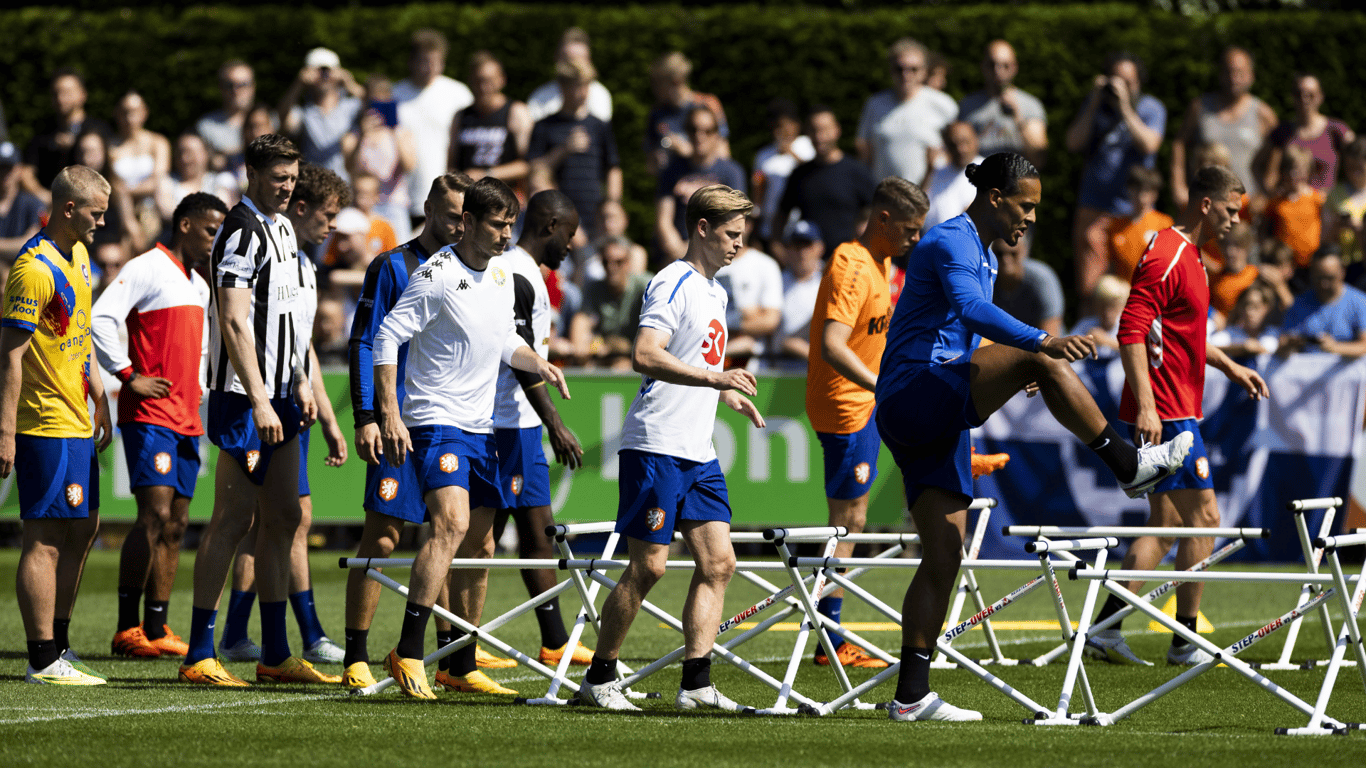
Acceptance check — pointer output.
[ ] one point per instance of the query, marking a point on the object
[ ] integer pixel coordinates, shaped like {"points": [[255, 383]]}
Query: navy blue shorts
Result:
{"points": [[395, 491], [925, 425], [57, 477], [655, 492], [303, 461], [160, 455], [1194, 473], [850, 461], [232, 429], [446, 456], [522, 468]]}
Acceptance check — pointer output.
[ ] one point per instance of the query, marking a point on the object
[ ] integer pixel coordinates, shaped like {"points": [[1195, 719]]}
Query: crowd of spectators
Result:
{"points": [[1283, 280]]}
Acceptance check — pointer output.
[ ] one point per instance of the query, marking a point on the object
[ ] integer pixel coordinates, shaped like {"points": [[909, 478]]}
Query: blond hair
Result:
{"points": [[576, 71], [716, 203], [77, 184], [673, 65], [1111, 289]]}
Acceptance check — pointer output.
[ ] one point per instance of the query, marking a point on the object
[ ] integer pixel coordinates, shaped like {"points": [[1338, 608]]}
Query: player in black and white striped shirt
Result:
{"points": [[259, 396]]}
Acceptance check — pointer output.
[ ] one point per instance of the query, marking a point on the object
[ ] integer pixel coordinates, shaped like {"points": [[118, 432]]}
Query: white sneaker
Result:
{"points": [[1158, 462], [607, 696], [1187, 655], [244, 650], [324, 652], [81, 666], [708, 698], [1108, 645], [931, 708], [59, 672]]}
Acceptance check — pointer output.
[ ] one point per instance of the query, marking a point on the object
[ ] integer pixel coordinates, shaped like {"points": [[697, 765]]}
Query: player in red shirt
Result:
{"points": [[1162, 347]]}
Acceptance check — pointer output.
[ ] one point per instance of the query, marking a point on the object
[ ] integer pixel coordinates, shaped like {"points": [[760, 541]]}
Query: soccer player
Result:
{"points": [[522, 409], [160, 298], [1163, 350], [848, 334], [670, 479], [392, 497], [457, 316], [936, 384], [319, 194], [45, 426], [259, 396]]}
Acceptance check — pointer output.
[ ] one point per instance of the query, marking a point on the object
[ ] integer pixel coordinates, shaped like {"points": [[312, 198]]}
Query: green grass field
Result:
{"points": [[144, 717]]}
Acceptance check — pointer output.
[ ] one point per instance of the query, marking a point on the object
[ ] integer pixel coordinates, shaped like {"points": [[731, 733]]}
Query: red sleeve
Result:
{"points": [[1147, 295]]}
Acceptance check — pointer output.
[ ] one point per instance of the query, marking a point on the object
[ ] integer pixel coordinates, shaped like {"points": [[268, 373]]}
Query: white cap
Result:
{"points": [[350, 221], [322, 57]]}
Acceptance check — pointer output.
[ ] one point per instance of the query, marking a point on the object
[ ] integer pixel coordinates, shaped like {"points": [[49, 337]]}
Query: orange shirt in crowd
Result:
{"points": [[1225, 288], [1296, 222], [1129, 238], [854, 291]]}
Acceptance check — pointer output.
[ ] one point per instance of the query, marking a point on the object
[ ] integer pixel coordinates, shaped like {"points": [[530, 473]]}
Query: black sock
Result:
{"points": [[444, 637], [1112, 606], [913, 680], [696, 673], [1119, 454], [128, 609], [414, 627], [356, 650], [601, 671], [41, 654], [553, 634], [154, 618], [61, 629], [1189, 622], [462, 661]]}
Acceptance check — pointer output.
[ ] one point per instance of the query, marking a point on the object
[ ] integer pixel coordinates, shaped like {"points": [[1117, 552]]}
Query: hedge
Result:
{"points": [[746, 55]]}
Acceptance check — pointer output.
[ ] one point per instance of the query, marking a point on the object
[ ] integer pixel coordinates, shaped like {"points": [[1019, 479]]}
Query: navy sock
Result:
{"points": [[462, 661], [41, 654], [128, 609], [913, 680], [201, 635], [239, 613], [61, 635], [443, 639], [274, 640], [154, 618], [696, 673], [830, 607], [356, 650], [414, 627], [1189, 622], [1119, 454], [1112, 606], [307, 615], [551, 621], [601, 671]]}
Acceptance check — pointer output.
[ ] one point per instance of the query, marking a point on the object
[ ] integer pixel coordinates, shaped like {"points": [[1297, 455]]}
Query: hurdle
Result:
{"points": [[1313, 556]]}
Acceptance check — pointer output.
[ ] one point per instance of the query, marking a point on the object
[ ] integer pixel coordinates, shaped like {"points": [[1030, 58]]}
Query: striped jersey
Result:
{"points": [[259, 253], [531, 311], [1166, 311], [385, 279], [48, 295], [163, 305]]}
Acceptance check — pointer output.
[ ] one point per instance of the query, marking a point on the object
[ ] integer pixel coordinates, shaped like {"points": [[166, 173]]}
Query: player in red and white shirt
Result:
{"points": [[670, 479], [161, 299], [1162, 347]]}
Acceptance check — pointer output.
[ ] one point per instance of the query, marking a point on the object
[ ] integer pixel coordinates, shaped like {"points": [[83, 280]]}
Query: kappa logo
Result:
{"points": [[516, 485], [162, 463], [388, 488], [1202, 468], [75, 494], [449, 463], [862, 472], [253, 458], [655, 519], [463, 285]]}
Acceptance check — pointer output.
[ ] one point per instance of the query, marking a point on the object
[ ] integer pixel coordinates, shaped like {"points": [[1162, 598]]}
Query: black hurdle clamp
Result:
{"points": [[1072, 572], [341, 562]]}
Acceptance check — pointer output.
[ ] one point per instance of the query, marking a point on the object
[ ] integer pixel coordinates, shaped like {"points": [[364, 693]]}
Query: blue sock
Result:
{"points": [[830, 608], [239, 614], [274, 641], [201, 635], [307, 616]]}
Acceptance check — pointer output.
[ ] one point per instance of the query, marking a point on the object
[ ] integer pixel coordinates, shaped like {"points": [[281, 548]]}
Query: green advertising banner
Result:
{"points": [[775, 475]]}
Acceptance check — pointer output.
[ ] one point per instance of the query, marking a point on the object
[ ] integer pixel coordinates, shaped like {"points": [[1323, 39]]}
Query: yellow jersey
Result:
{"points": [[48, 294]]}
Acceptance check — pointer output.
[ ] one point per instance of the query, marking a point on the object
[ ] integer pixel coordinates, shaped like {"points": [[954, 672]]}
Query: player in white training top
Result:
{"points": [[456, 316], [670, 479]]}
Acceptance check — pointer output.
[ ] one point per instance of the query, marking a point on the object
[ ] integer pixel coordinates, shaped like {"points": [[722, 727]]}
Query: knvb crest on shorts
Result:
{"points": [[388, 488], [449, 463], [162, 463], [75, 494], [253, 458], [655, 519], [862, 472], [516, 485], [1202, 468]]}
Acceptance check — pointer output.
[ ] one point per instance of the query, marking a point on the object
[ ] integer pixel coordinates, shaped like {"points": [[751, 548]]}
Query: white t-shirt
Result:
{"points": [[532, 313], [799, 304], [458, 324], [547, 99], [674, 419], [427, 114], [950, 193], [752, 280], [899, 132]]}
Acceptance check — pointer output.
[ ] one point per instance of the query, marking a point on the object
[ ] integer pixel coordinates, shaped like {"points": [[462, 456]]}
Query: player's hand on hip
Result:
{"points": [[397, 444], [737, 379], [1148, 427], [336, 445], [6, 454], [368, 445], [150, 386], [567, 449], [308, 407], [745, 407], [1069, 348], [268, 426]]}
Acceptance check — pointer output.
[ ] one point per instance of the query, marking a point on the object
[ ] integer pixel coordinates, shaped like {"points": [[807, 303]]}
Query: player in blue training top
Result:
{"points": [[936, 384]]}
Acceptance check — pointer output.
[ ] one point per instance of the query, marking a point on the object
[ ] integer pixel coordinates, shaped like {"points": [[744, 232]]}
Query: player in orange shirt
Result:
{"points": [[1226, 285], [848, 336], [1129, 237]]}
